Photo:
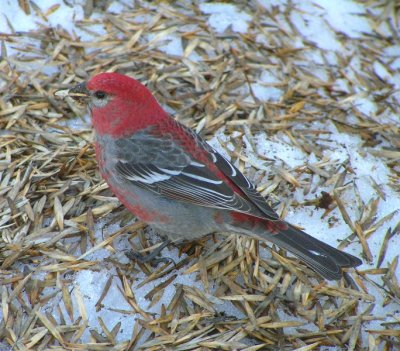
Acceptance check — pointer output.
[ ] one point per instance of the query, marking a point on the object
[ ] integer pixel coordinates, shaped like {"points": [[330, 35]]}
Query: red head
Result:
{"points": [[120, 105]]}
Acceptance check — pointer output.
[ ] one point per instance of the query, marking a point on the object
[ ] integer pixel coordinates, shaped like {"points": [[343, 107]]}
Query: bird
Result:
{"points": [[172, 179]]}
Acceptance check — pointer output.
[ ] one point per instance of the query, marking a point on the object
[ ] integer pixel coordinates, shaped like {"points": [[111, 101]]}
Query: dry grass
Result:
{"points": [[51, 194]]}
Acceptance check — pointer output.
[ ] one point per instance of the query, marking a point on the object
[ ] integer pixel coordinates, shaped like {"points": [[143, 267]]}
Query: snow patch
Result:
{"points": [[224, 15]]}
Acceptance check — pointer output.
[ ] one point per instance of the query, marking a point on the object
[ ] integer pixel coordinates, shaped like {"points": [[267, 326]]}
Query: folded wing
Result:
{"points": [[160, 164]]}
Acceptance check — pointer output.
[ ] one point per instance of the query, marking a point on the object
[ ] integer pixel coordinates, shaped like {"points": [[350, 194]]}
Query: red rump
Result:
{"points": [[251, 222]]}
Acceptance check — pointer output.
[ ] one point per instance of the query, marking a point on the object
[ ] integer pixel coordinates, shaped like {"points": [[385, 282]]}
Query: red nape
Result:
{"points": [[251, 222]]}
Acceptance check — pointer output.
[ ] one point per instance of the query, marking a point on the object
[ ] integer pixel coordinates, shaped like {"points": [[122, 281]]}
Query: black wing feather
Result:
{"points": [[191, 184], [245, 185]]}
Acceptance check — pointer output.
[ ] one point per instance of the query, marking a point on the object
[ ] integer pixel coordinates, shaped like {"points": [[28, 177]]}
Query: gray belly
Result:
{"points": [[186, 221]]}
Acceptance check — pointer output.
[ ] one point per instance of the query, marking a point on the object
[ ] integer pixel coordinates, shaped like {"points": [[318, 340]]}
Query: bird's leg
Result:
{"points": [[151, 256]]}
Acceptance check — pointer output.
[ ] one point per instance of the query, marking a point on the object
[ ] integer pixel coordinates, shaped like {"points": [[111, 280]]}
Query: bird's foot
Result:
{"points": [[151, 257]]}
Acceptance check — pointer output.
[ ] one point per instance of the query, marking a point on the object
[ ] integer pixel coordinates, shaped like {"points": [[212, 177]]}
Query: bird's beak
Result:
{"points": [[79, 91]]}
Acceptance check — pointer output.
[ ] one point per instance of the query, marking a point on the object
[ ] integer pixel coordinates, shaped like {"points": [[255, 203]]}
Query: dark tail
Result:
{"points": [[324, 259]]}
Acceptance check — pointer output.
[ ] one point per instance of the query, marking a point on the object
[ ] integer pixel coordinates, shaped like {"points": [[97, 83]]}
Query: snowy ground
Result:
{"points": [[320, 22]]}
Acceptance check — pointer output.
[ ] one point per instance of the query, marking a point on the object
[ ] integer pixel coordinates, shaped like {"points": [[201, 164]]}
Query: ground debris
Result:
{"points": [[51, 194]]}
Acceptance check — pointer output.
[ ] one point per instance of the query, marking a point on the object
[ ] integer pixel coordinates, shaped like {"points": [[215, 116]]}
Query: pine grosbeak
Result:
{"points": [[169, 177]]}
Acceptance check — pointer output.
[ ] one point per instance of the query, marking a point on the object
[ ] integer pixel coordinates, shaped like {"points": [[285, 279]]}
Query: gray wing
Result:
{"points": [[175, 173]]}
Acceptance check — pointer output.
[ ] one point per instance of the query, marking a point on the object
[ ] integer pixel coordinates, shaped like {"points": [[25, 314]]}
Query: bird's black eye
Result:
{"points": [[100, 94]]}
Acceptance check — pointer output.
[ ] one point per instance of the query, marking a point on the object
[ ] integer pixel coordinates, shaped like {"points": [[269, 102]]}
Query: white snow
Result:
{"points": [[365, 105], [265, 89], [316, 20], [91, 285], [278, 148], [344, 16], [307, 23], [63, 15], [170, 44], [224, 15]]}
